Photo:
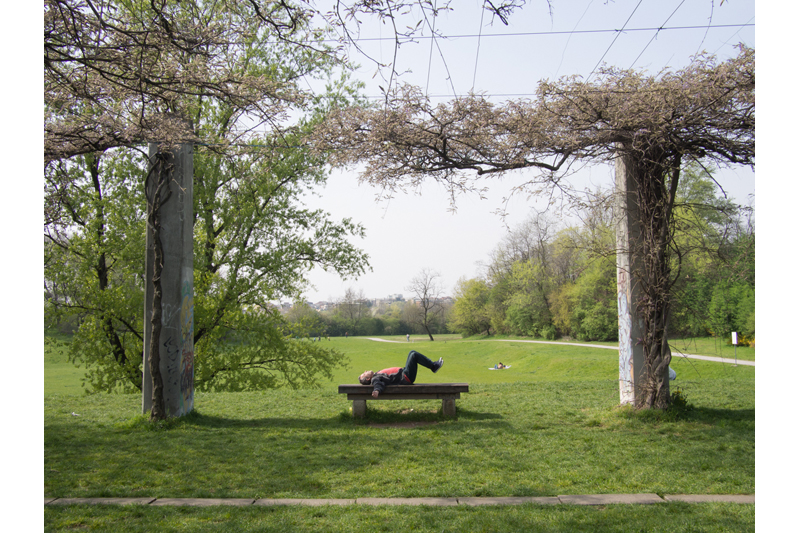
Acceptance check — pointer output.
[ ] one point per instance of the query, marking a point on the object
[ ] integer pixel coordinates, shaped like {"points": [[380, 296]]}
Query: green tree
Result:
{"points": [[470, 314], [94, 243], [255, 241], [594, 315], [527, 307], [709, 236]]}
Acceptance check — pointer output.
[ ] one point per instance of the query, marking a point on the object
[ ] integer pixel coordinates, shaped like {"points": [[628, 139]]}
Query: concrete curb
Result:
{"points": [[308, 502], [567, 499], [609, 499], [704, 498], [99, 501], [204, 502], [510, 500]]}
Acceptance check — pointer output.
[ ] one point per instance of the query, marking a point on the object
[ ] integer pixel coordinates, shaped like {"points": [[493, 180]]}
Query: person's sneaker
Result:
{"points": [[438, 364]]}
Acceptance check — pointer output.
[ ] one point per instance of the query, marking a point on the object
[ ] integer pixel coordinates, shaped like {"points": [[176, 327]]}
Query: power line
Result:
{"points": [[430, 54], [656, 34], [478, 51], [559, 32], [570, 37], [612, 42], [735, 34]]}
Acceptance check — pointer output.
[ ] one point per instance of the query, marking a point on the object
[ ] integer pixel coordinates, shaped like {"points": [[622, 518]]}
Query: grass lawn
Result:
{"points": [[549, 425], [663, 518]]}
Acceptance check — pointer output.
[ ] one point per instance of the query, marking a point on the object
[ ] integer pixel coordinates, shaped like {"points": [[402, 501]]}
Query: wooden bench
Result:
{"points": [[447, 392]]}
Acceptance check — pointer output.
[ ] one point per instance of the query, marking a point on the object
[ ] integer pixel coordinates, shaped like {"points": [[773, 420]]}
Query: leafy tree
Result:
{"points": [[305, 321], [707, 227], [470, 316], [594, 294], [528, 308], [94, 242], [254, 240]]}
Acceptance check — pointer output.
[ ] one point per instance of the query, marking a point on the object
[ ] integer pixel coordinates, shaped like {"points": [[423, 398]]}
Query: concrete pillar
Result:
{"points": [[359, 408], [177, 283], [628, 236]]}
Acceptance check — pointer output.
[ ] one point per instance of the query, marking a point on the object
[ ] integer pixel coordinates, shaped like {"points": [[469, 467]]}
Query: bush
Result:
{"points": [[548, 332]]}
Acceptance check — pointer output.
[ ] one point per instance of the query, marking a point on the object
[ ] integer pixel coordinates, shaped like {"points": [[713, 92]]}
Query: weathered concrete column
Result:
{"points": [[628, 238], [359, 408], [449, 407], [177, 283]]}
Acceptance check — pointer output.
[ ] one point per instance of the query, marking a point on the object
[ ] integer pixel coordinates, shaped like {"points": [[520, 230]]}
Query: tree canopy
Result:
{"points": [[703, 112], [121, 72]]}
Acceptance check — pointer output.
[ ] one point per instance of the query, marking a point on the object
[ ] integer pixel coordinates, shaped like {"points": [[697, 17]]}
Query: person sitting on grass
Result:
{"points": [[398, 375]]}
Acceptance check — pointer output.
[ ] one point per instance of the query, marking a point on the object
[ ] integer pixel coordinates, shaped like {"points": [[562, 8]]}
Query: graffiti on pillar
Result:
{"points": [[625, 341], [187, 343]]}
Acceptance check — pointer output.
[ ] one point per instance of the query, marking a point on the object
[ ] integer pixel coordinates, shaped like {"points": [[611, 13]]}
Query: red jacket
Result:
{"points": [[389, 376]]}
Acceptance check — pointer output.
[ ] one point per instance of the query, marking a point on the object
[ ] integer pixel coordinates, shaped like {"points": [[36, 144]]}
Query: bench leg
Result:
{"points": [[359, 408], [449, 407]]}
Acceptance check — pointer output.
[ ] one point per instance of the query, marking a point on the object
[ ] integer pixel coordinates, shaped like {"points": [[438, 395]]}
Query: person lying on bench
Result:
{"points": [[398, 375]]}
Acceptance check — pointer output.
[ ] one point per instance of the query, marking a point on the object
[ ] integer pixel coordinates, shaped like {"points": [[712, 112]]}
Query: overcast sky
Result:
{"points": [[418, 231]]}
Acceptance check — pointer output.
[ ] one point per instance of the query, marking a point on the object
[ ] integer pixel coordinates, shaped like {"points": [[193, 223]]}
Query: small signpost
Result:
{"points": [[735, 341]]}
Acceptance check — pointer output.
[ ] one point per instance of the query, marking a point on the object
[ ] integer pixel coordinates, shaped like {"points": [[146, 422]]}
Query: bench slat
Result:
{"points": [[399, 396], [416, 389]]}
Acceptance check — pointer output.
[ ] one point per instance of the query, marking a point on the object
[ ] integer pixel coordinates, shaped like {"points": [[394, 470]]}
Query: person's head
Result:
{"points": [[366, 377]]}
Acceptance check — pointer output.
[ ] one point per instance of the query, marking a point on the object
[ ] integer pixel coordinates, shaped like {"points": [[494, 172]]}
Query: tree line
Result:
{"points": [[353, 314], [551, 281]]}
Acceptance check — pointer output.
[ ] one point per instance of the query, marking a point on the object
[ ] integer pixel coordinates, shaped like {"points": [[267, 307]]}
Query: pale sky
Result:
{"points": [[418, 231]]}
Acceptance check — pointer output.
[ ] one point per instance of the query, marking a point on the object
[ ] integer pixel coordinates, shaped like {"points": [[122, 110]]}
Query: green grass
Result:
{"points": [[717, 347], [672, 517], [60, 376], [549, 425]]}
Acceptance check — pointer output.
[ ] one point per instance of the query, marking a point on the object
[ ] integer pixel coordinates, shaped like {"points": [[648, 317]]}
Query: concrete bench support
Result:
{"points": [[447, 392]]}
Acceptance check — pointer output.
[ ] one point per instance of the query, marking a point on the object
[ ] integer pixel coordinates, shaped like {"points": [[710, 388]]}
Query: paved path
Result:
{"points": [[690, 356], [574, 499], [675, 355]]}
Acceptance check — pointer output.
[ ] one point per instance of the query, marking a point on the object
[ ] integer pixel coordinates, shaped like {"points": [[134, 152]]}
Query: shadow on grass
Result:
{"points": [[374, 416], [197, 419], [714, 416]]}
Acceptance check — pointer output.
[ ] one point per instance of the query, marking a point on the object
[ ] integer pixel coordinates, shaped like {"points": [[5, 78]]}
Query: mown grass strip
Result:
{"points": [[665, 517]]}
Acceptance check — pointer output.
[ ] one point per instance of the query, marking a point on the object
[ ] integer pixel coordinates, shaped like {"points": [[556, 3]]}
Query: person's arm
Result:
{"points": [[378, 384]]}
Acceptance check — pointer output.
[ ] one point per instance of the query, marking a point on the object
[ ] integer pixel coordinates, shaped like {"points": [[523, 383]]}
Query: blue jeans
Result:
{"points": [[415, 358]]}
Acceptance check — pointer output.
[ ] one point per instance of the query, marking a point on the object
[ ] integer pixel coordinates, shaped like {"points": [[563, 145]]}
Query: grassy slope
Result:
{"points": [[549, 425]]}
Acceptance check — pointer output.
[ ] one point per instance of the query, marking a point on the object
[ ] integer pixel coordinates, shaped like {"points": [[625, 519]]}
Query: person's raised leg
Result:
{"points": [[415, 358]]}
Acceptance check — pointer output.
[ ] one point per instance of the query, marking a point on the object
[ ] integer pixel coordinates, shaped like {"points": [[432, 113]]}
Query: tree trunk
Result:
{"points": [[158, 411], [102, 268], [656, 180]]}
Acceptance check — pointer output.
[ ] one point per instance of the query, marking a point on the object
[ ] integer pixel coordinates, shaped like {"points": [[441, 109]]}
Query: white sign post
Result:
{"points": [[735, 341]]}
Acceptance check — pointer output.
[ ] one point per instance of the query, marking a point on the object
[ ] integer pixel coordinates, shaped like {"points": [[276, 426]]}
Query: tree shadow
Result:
{"points": [[712, 416], [400, 417]]}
